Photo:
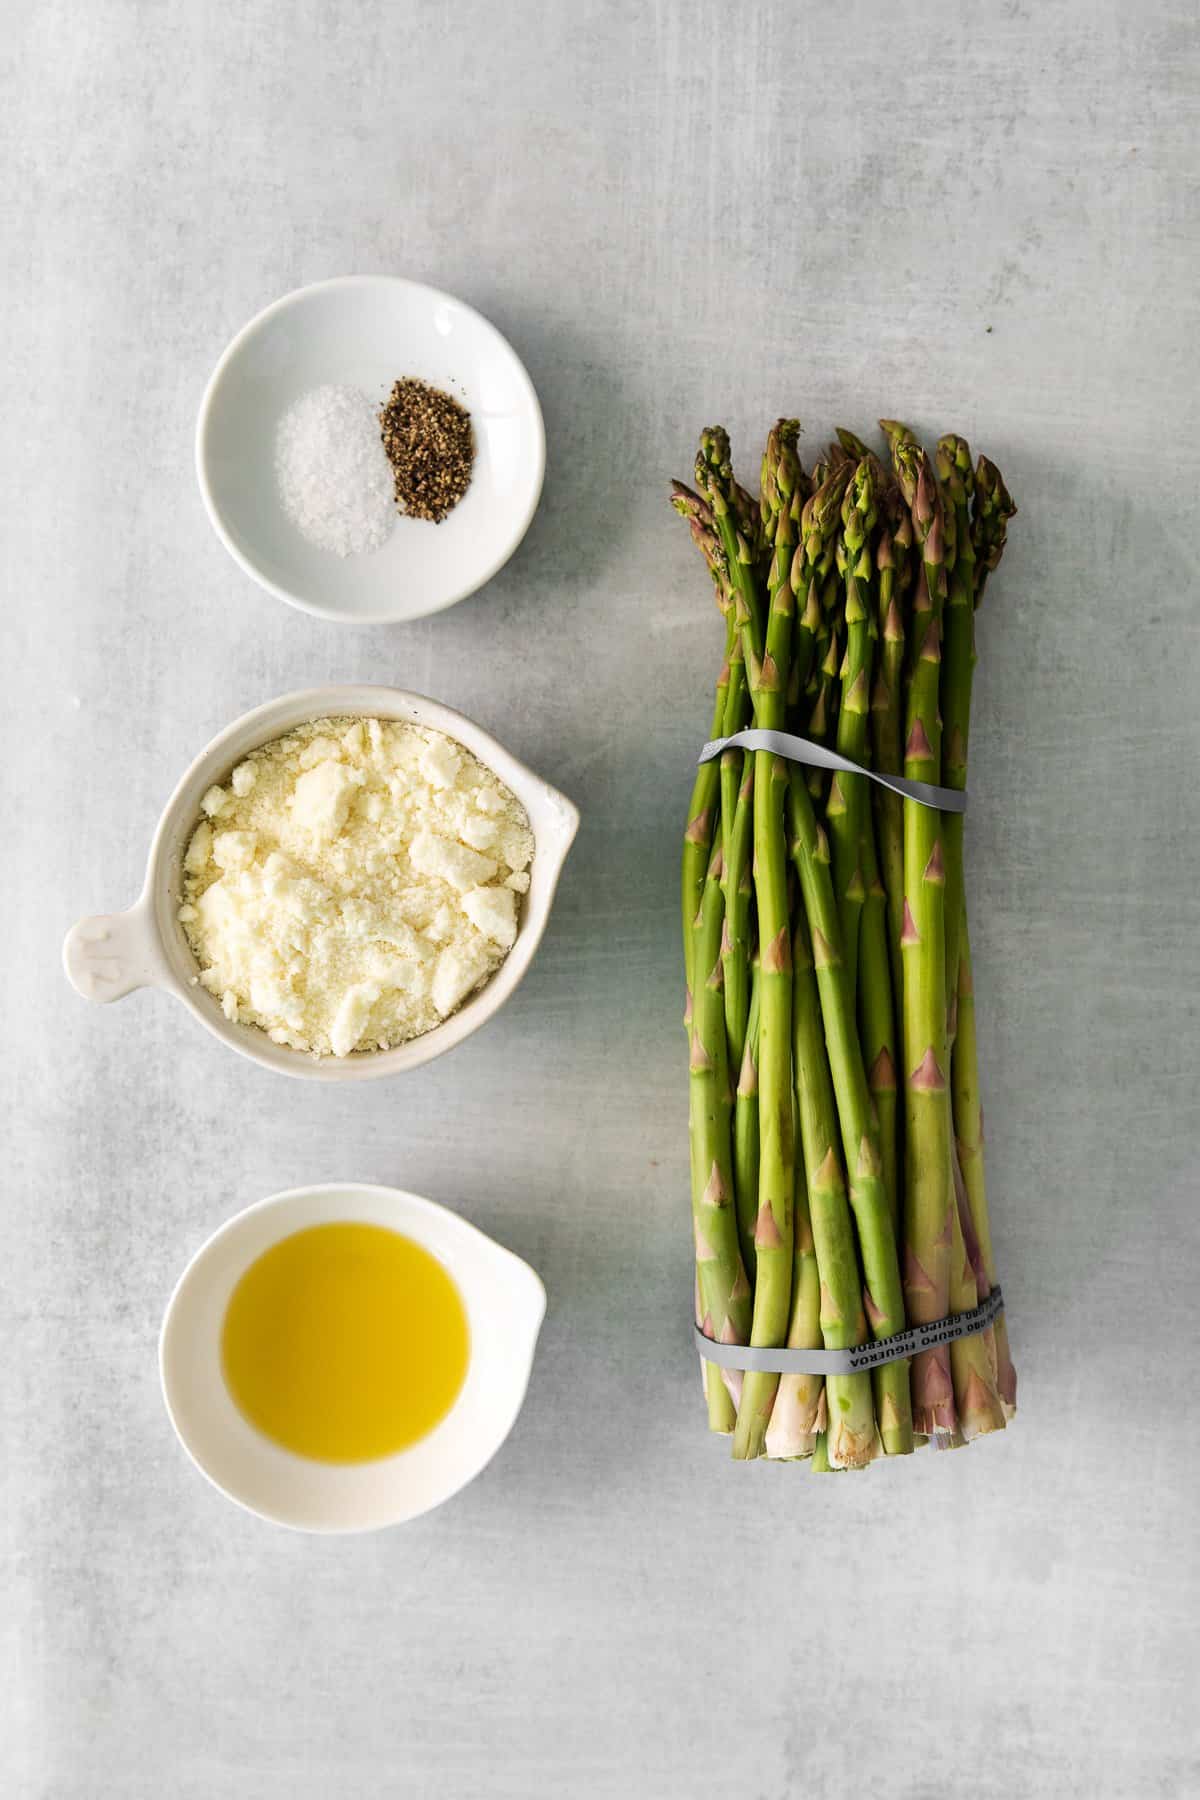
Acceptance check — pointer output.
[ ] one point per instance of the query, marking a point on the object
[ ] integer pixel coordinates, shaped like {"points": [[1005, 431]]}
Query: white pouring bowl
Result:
{"points": [[109, 955], [366, 331], [505, 1304]]}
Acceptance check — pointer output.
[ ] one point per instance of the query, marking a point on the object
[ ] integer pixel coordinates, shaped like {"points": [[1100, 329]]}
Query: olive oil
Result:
{"points": [[345, 1342]]}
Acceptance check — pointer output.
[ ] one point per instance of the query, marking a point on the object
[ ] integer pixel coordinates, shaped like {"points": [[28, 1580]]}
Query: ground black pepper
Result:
{"points": [[431, 447]]}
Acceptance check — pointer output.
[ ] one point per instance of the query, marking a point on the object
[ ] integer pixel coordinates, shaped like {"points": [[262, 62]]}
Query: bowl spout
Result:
{"points": [[111, 954]]}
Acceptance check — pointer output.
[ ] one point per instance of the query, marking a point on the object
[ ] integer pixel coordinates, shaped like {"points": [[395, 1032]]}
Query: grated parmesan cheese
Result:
{"points": [[352, 883]]}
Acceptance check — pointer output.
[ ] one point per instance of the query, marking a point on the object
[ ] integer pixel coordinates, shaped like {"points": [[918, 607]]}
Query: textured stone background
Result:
{"points": [[982, 217]]}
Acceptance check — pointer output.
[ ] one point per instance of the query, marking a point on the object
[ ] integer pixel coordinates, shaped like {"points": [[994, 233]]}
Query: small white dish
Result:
{"points": [[367, 331], [505, 1304], [108, 956]]}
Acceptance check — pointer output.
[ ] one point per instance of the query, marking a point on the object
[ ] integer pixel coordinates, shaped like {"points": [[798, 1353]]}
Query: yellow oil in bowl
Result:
{"points": [[345, 1342]]}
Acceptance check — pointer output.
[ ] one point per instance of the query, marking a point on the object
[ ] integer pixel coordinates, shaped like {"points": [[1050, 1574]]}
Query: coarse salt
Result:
{"points": [[335, 481]]}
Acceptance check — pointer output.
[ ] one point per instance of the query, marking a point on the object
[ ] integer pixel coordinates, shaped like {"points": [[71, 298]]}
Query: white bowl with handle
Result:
{"points": [[110, 955], [505, 1304]]}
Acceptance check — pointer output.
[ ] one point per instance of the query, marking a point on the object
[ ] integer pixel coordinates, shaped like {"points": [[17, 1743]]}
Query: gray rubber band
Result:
{"points": [[862, 1356], [817, 756]]}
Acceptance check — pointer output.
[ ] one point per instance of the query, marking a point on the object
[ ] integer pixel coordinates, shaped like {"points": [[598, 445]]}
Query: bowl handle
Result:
{"points": [[107, 956]]}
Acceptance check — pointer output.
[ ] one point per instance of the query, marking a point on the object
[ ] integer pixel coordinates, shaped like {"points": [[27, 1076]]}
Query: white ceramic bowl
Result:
{"points": [[505, 1303], [108, 956], [366, 331]]}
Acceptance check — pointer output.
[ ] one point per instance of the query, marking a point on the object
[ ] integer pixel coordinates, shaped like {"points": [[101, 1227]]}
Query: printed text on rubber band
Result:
{"points": [[862, 1356]]}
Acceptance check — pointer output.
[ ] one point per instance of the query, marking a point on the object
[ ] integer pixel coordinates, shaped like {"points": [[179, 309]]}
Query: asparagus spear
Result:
{"points": [[747, 513], [696, 852], [816, 656], [968, 1127], [800, 1410], [897, 433], [735, 813], [846, 808], [798, 1413], [994, 507], [972, 1250], [823, 719], [735, 846], [739, 893], [717, 1397], [856, 1116], [724, 1289], [782, 496], [745, 1132], [698, 835], [767, 652], [981, 545], [859, 891], [807, 644], [776, 1183], [975, 1360], [971, 1359], [877, 1018], [958, 665], [734, 719], [928, 1230], [852, 444], [887, 720], [769, 676], [734, 809], [829, 1309]]}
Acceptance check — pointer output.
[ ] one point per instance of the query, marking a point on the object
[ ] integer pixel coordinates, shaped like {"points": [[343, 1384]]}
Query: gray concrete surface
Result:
{"points": [[983, 217]]}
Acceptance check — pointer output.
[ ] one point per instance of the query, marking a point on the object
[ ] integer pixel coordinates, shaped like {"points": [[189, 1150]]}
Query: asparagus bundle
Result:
{"points": [[837, 1175]]}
